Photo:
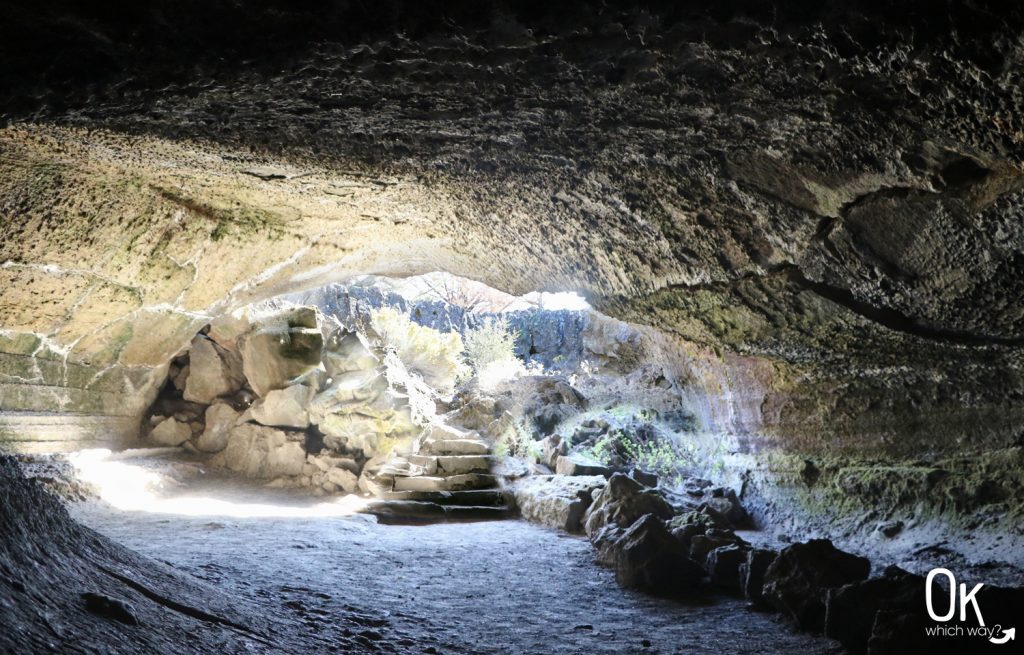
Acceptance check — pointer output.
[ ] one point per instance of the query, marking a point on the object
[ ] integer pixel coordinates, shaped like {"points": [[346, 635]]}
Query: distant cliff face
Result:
{"points": [[820, 209], [554, 339]]}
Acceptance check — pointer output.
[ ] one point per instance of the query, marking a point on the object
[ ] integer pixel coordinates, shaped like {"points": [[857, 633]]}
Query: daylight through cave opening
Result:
{"points": [[438, 326]]}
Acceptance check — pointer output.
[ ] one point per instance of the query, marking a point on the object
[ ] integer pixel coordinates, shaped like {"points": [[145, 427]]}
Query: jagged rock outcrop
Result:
{"points": [[220, 419], [798, 581], [170, 432], [288, 407], [212, 372], [645, 556], [621, 502]]}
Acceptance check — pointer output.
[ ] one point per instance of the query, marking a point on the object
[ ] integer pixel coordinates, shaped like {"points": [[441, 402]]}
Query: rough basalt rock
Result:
{"points": [[798, 580], [645, 556], [281, 349], [752, 572], [261, 452], [212, 372], [286, 407], [852, 610], [576, 464], [220, 419], [170, 432], [723, 566], [556, 501], [621, 502]]}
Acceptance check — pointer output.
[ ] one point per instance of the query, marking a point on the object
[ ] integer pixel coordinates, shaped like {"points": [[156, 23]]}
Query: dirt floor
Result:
{"points": [[486, 587]]}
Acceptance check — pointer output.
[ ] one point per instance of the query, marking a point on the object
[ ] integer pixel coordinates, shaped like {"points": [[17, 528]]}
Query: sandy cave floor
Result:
{"points": [[484, 587]]}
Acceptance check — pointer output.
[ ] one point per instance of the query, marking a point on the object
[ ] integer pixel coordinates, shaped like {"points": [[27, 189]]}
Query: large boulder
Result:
{"points": [[348, 393], [227, 329], [752, 574], [851, 610], [178, 375], [170, 432], [702, 545], [353, 433], [280, 349], [888, 615], [556, 501], [286, 407], [897, 632], [578, 464], [551, 448], [343, 479], [346, 352], [646, 557], [695, 523], [262, 452], [325, 462], [723, 502], [360, 412], [723, 566], [374, 479], [476, 412], [550, 400], [213, 372], [621, 502], [797, 582], [220, 420], [609, 342]]}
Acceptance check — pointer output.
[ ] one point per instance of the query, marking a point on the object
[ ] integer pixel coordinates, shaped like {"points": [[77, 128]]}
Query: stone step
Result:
{"points": [[444, 465], [397, 512], [454, 447], [440, 431], [479, 497], [400, 466], [451, 483]]}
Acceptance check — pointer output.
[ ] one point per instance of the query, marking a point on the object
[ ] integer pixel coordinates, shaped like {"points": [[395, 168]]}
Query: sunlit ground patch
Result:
{"points": [[130, 486]]}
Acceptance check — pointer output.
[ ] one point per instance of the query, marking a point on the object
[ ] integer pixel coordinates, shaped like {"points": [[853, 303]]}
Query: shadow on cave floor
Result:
{"points": [[483, 587]]}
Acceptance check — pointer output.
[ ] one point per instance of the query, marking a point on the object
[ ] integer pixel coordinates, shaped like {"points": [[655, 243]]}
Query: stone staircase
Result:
{"points": [[447, 477]]}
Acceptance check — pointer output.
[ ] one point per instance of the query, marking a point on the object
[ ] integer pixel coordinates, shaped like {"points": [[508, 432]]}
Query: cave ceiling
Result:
{"points": [[838, 192]]}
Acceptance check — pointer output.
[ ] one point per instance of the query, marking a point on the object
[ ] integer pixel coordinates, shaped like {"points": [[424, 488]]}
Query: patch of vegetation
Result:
{"points": [[641, 438], [663, 458], [434, 356], [494, 341], [517, 442], [490, 352]]}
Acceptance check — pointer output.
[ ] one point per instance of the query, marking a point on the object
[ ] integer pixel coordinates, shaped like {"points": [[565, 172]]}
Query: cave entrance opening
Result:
{"points": [[413, 399]]}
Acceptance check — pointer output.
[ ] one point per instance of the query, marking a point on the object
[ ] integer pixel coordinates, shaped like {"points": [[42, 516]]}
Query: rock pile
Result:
{"points": [[289, 398], [685, 544]]}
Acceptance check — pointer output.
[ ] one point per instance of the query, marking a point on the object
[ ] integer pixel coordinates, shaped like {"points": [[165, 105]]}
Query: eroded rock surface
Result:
{"points": [[762, 222], [557, 501]]}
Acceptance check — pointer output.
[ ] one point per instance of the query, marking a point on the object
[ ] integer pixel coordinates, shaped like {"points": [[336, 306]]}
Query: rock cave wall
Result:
{"points": [[819, 209]]}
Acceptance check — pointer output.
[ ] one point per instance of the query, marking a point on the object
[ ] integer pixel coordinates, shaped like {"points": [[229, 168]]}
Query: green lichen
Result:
{"points": [[845, 489]]}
